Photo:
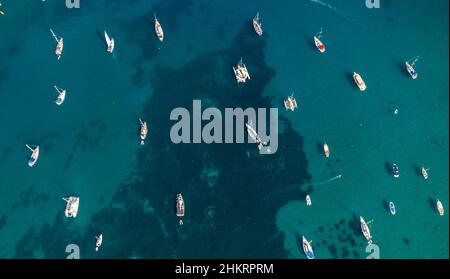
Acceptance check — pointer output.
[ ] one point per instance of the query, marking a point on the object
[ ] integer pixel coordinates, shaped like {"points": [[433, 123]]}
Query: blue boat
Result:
{"points": [[392, 208], [395, 171]]}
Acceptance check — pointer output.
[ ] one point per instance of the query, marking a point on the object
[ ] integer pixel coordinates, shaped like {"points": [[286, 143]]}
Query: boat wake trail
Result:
{"points": [[327, 181], [328, 6]]}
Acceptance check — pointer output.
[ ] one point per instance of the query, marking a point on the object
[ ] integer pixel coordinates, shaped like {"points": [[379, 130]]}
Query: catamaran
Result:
{"points": [[410, 67], [320, 46], [392, 208], [98, 242], [307, 248], [440, 207], [395, 171], [59, 44], [359, 81], [290, 103], [158, 29], [180, 207], [257, 25], [241, 73], [252, 133], [72, 206], [308, 200], [61, 95], [365, 230], [143, 131], [110, 43], [424, 173], [326, 150], [34, 155]]}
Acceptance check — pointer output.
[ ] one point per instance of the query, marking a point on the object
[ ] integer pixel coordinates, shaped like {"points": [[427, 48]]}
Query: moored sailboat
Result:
{"points": [[71, 210], [61, 95], [59, 44], [241, 72], [424, 173], [180, 207], [98, 242], [320, 46], [308, 200], [307, 248], [34, 155], [257, 24], [440, 207], [110, 43], [410, 67], [290, 103], [365, 230], [143, 131], [158, 29]]}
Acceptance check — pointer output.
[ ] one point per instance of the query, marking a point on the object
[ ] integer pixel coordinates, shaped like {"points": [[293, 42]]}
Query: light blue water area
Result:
{"points": [[238, 204]]}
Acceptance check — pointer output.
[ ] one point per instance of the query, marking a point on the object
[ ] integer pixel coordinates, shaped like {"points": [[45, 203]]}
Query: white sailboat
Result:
{"points": [[308, 200], [59, 44], [410, 67], [425, 173], [326, 150], [257, 24], [110, 43], [440, 207], [180, 207], [254, 135], [143, 131], [320, 46], [98, 242], [158, 29], [61, 95], [307, 248], [34, 155], [365, 230]]}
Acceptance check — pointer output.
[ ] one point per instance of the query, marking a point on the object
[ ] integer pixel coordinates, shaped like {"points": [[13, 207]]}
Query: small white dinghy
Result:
{"points": [[34, 155], [99, 242], [143, 131], [158, 29], [110, 43], [61, 95], [59, 44]]}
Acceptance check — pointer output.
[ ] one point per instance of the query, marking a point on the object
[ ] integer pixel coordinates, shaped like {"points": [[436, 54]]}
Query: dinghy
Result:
{"points": [[98, 242], [320, 46], [61, 95], [59, 44], [109, 43], [144, 131], [34, 155], [257, 25], [158, 29]]}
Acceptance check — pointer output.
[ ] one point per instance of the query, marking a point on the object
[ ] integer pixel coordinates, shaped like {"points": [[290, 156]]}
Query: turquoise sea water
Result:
{"points": [[239, 204]]}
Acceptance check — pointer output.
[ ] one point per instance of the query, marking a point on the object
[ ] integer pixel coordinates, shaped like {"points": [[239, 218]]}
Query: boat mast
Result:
{"points": [[54, 36]]}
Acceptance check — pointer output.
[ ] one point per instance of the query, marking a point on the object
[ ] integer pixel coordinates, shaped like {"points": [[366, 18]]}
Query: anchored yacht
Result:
{"points": [[440, 207], [180, 207], [61, 95], [307, 248], [365, 230], [326, 150], [34, 155], [320, 46], [290, 103], [98, 242], [241, 73], [308, 200], [110, 43], [158, 29], [59, 44], [257, 25], [143, 131], [72, 206], [359, 81]]}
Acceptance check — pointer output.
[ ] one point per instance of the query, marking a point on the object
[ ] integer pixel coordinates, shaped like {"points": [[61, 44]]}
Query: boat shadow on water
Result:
{"points": [[386, 205], [432, 203], [101, 37], [351, 81], [417, 169], [402, 68]]}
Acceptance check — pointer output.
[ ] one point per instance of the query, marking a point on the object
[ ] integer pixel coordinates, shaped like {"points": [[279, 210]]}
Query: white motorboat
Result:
{"points": [[326, 150], [61, 95], [158, 29], [34, 155], [365, 230], [59, 44], [72, 206], [257, 25], [359, 81], [143, 131], [98, 242], [110, 43], [241, 73], [180, 207], [424, 173]]}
